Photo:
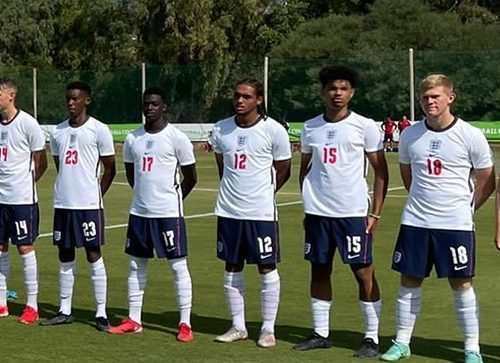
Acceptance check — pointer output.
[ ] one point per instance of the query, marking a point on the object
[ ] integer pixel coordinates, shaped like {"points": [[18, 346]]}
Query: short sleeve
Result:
{"points": [[127, 149], [184, 150], [305, 146], [214, 138], [281, 143], [373, 138], [36, 136], [404, 156], [105, 141], [480, 152], [54, 149]]}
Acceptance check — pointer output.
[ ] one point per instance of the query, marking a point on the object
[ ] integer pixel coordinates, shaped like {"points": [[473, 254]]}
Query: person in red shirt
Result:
{"points": [[389, 126], [403, 124]]}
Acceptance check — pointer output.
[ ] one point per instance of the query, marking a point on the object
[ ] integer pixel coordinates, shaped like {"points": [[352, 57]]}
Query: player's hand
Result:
{"points": [[497, 241], [371, 225]]}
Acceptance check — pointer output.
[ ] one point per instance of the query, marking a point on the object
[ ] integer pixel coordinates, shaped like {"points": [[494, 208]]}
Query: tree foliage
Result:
{"points": [[202, 47], [377, 45]]}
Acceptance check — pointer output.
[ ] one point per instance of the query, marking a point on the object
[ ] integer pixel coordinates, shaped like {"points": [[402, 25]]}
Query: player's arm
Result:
{"points": [[497, 217], [109, 172], [189, 179], [40, 159], [129, 173], [305, 166], [380, 183], [56, 162], [405, 171], [283, 172], [220, 164], [485, 185]]}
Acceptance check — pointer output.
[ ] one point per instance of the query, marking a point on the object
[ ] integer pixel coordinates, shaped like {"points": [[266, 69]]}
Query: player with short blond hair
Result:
{"points": [[446, 165]]}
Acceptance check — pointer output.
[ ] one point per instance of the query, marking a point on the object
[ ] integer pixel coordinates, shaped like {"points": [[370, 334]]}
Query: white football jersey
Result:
{"points": [[335, 185], [247, 187], [442, 162], [79, 150], [156, 157], [18, 140]]}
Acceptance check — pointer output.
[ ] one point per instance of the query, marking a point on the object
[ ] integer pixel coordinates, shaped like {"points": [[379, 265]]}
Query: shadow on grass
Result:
{"points": [[166, 322]]}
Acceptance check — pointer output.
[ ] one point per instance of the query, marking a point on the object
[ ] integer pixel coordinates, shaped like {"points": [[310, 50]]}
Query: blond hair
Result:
{"points": [[436, 80]]}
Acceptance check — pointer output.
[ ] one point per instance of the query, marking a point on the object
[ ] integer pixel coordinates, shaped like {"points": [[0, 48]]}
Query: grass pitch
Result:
{"points": [[436, 337]]}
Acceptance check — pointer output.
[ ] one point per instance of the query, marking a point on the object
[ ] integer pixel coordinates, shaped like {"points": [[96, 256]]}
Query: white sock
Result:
{"points": [[137, 279], [407, 310], [30, 270], [270, 287], [183, 288], [467, 311], [234, 288], [371, 315], [99, 283], [321, 316], [66, 281], [4, 276]]}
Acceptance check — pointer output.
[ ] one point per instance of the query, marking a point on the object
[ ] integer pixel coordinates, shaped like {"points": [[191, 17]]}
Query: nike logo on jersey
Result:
{"points": [[456, 268], [21, 238], [170, 249], [263, 257], [350, 257], [89, 239]]}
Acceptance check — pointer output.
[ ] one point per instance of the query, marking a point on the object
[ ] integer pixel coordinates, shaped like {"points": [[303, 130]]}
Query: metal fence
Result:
{"points": [[202, 93]]}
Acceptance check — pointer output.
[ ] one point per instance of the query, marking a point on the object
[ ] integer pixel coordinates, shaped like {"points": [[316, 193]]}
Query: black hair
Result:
{"points": [[332, 73], [82, 86], [259, 91], [156, 91]]}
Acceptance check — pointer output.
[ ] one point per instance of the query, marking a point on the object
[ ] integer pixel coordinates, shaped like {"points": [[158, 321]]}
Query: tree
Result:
{"points": [[377, 45], [27, 32]]}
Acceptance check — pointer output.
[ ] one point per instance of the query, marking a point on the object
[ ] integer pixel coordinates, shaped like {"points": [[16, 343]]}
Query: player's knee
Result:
{"points": [[4, 247], [460, 284], [25, 249], [66, 255], [265, 269], [364, 274], [320, 272], [93, 254]]}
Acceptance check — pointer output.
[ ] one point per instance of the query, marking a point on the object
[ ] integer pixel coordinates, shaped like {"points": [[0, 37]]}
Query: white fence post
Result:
{"points": [[412, 85], [266, 76], [35, 109], [143, 87]]}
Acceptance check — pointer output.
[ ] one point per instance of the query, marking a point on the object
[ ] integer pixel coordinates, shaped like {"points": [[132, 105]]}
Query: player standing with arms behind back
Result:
{"points": [[254, 159], [336, 147], [79, 146], [152, 155], [22, 162], [438, 158]]}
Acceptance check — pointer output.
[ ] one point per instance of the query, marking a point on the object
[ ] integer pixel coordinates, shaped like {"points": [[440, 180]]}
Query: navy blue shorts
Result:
{"points": [[256, 242], [78, 228], [453, 253], [19, 223], [166, 236], [324, 234]]}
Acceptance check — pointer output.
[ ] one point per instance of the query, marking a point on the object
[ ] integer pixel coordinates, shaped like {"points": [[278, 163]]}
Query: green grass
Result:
{"points": [[436, 338]]}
